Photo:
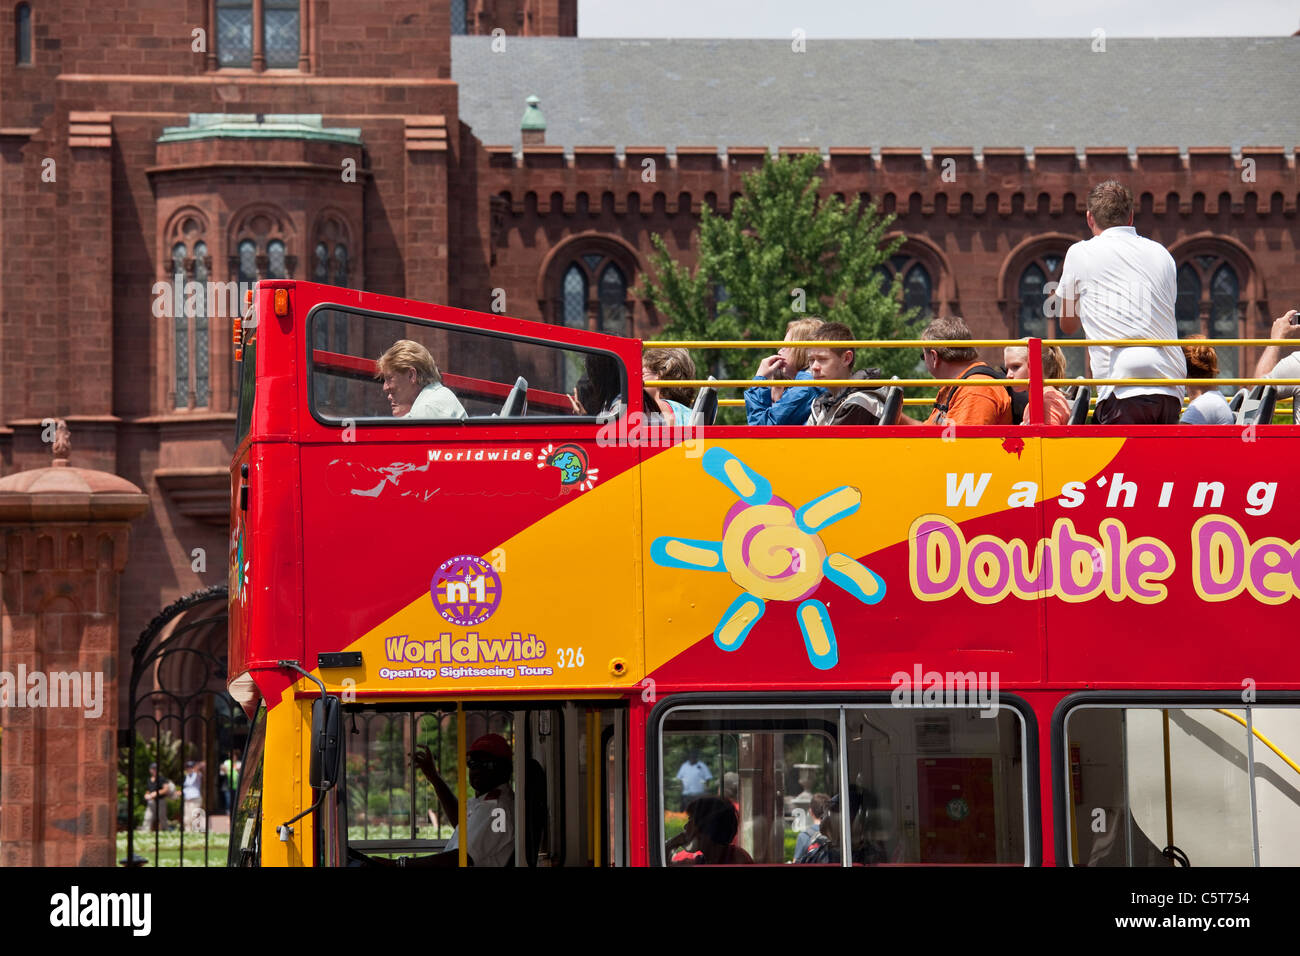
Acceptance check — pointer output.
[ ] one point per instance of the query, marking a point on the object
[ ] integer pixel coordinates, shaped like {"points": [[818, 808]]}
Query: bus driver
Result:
{"points": [[413, 385], [490, 815]]}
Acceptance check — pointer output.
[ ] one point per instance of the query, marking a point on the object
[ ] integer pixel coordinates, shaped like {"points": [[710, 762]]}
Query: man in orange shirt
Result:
{"points": [[960, 405]]}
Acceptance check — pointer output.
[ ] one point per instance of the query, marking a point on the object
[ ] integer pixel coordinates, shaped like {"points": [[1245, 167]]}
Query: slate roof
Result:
{"points": [[1234, 91]]}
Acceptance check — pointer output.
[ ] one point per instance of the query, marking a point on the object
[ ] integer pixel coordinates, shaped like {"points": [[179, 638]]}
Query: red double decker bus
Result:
{"points": [[628, 644]]}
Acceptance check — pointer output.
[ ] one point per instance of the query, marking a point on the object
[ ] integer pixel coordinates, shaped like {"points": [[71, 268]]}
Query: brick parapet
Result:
{"points": [[948, 180]]}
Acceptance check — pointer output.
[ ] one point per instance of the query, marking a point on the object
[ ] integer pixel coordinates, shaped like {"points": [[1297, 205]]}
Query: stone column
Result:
{"points": [[64, 535]]}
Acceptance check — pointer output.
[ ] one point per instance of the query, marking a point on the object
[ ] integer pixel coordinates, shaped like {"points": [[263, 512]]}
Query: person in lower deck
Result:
{"points": [[712, 824], [490, 814]]}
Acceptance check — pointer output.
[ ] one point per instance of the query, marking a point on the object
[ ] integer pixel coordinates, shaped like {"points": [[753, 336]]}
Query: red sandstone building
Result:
{"points": [[144, 146]]}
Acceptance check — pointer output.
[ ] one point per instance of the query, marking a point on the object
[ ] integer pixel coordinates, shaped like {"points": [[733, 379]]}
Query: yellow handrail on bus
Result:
{"points": [[740, 403], [1262, 739], [945, 382], [944, 343]]}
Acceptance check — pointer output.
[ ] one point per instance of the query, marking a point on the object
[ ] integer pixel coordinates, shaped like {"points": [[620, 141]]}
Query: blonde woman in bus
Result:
{"points": [[775, 404], [1056, 407], [413, 384]]}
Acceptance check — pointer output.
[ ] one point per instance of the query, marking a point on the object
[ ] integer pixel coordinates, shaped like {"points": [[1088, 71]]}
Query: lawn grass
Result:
{"points": [[168, 851]]}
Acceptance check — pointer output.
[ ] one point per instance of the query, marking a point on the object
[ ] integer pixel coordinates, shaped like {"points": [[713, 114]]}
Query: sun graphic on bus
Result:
{"points": [[773, 551], [575, 471]]}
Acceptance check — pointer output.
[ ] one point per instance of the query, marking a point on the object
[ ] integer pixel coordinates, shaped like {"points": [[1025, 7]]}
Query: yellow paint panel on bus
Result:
{"points": [[567, 614]]}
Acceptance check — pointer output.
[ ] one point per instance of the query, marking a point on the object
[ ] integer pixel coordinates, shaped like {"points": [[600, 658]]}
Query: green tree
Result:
{"points": [[783, 253]]}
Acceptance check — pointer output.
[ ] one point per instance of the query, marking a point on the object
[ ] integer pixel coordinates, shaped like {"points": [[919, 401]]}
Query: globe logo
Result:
{"points": [[466, 590], [571, 460]]}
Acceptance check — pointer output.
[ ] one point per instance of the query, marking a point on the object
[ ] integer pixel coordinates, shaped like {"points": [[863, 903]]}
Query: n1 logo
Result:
{"points": [[466, 590], [458, 591]]}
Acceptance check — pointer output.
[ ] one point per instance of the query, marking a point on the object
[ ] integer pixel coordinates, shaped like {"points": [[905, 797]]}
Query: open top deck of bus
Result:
{"points": [[545, 554], [494, 548]]}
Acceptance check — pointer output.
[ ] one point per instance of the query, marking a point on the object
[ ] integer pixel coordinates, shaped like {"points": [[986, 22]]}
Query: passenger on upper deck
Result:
{"points": [[977, 405], [1056, 407], [413, 384], [1268, 365], [600, 391], [674, 403], [1208, 406], [1122, 286], [850, 405], [490, 814], [775, 404]]}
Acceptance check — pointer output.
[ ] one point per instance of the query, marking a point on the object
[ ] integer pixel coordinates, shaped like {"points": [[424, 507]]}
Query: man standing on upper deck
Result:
{"points": [[1122, 286]]}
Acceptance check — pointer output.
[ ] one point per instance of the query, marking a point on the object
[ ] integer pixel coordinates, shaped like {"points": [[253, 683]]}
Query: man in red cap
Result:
{"points": [[490, 814]]}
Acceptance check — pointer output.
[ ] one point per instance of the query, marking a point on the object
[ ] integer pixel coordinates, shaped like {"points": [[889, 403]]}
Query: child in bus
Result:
{"points": [[1207, 405], [1056, 407], [776, 404], [673, 403]]}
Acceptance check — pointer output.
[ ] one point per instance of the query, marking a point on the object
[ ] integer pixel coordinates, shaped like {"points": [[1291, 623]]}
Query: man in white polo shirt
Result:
{"points": [[1268, 365], [1122, 286]]}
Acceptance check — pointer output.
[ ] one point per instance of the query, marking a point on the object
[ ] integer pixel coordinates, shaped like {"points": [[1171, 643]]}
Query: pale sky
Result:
{"points": [[936, 18]]}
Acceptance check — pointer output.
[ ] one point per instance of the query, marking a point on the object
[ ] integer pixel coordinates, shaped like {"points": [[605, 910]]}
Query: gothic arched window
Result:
{"points": [[247, 261], [330, 267], [1209, 304], [1187, 307], [917, 283], [613, 300], [190, 267], [275, 260], [1034, 306], [590, 291], [588, 287], [574, 301], [202, 358], [260, 238], [181, 351]]}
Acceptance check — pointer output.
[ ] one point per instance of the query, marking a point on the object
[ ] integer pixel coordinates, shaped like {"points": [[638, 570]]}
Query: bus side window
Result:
{"points": [[737, 785], [1157, 786], [936, 785], [437, 371]]}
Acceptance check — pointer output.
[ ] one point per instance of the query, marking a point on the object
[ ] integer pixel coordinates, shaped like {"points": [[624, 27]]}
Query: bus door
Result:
{"points": [[544, 784]]}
